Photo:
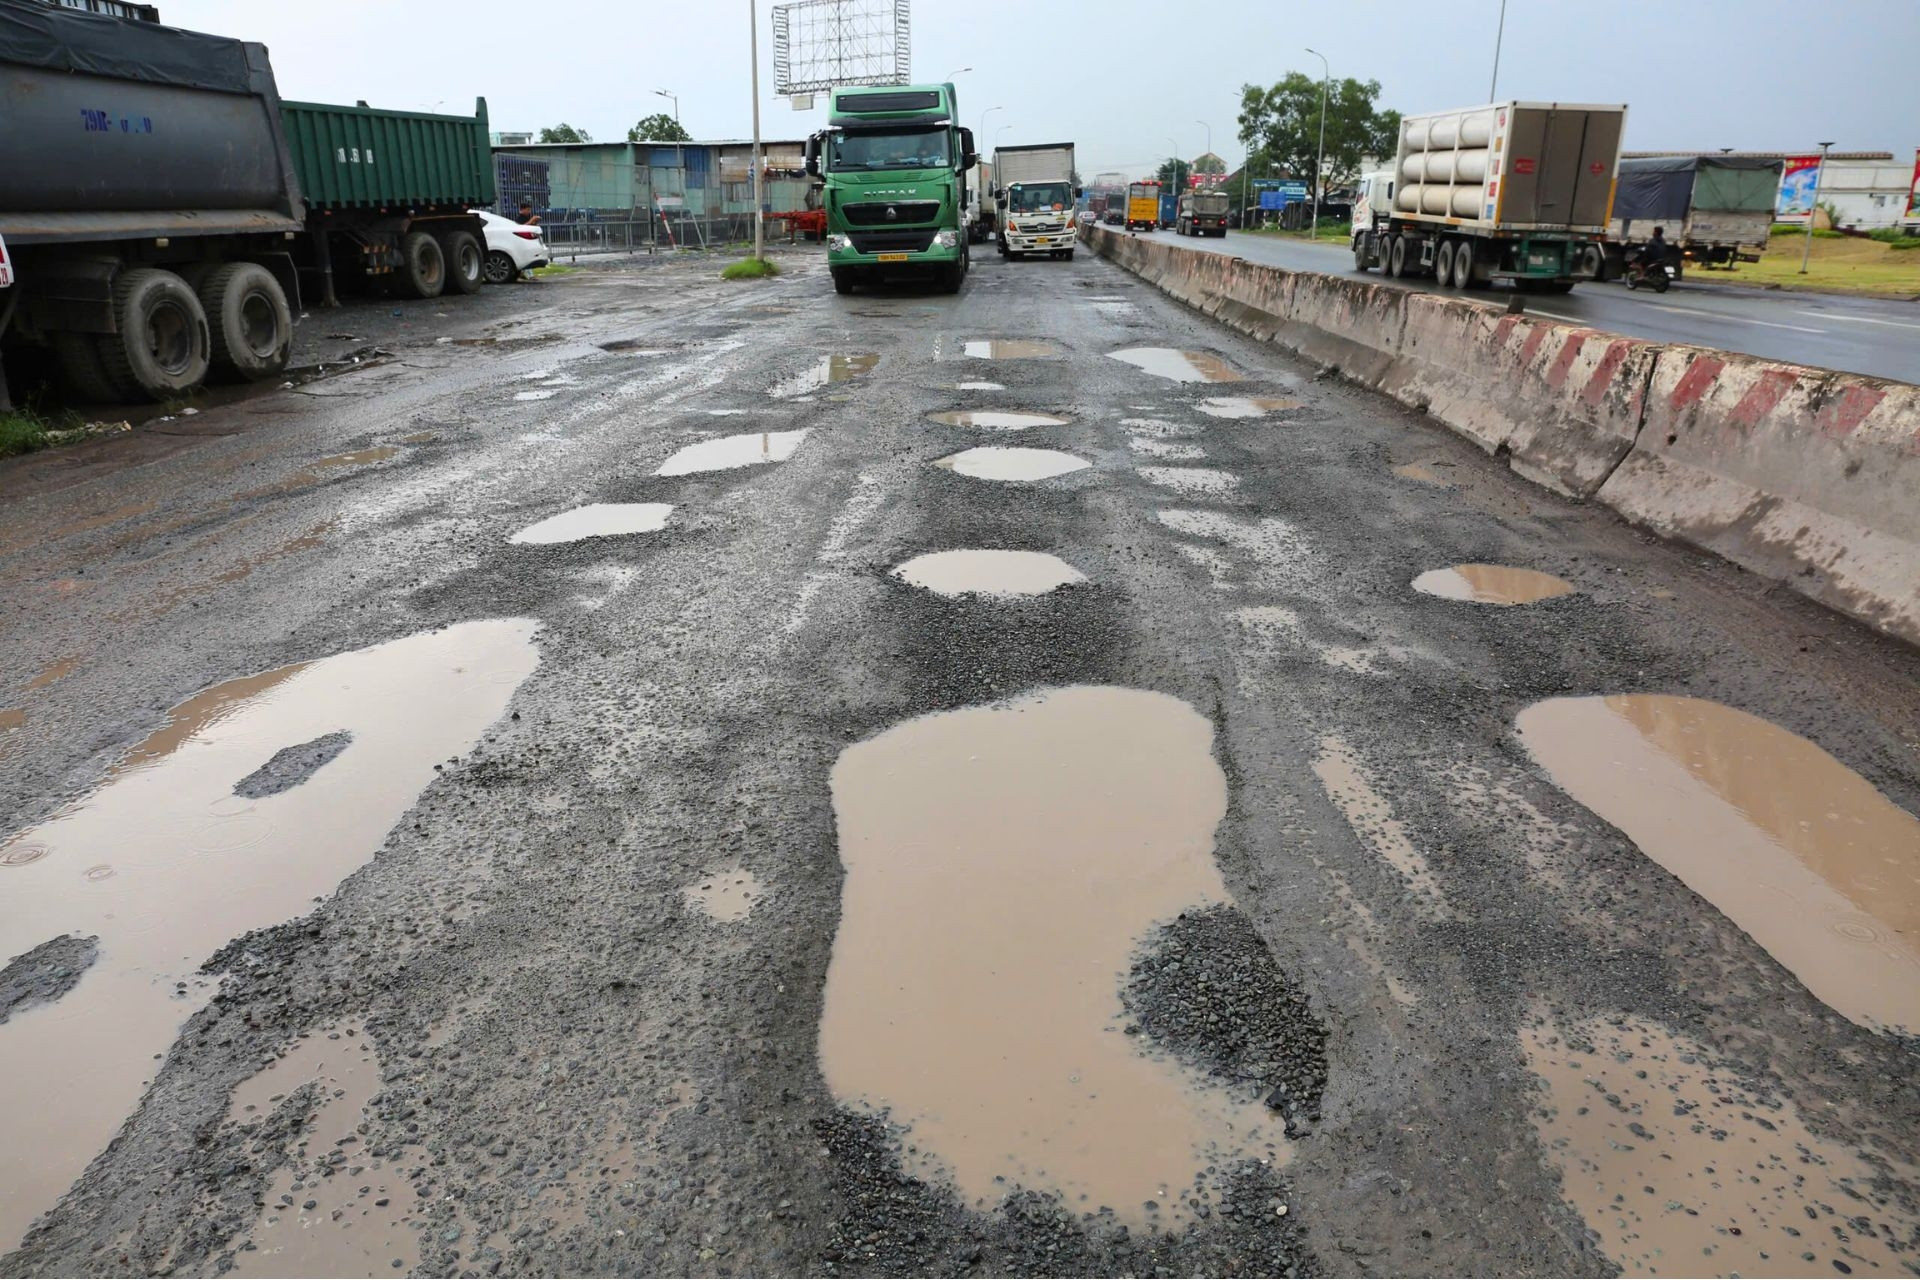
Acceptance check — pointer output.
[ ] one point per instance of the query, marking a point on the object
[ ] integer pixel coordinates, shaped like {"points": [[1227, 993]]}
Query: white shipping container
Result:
{"points": [[1511, 166]]}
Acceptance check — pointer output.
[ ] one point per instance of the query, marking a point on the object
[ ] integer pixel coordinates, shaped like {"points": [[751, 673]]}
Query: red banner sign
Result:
{"points": [[1913, 189]]}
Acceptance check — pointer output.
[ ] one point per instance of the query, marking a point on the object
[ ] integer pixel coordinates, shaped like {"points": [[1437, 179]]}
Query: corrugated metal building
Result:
{"points": [[711, 181]]}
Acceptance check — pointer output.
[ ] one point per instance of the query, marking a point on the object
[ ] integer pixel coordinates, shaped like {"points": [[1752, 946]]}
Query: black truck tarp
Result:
{"points": [[59, 39], [1668, 187]]}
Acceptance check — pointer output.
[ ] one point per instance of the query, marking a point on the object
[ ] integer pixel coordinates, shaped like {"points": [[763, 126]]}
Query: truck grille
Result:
{"points": [[873, 213], [891, 241]]}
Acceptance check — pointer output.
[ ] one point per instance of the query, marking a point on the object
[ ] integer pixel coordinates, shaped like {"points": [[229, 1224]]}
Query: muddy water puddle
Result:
{"points": [[728, 898], [998, 419], [1805, 855], [995, 463], [1012, 349], [1178, 366], [1421, 473], [978, 386], [57, 670], [987, 572], [829, 370], [1498, 584], [1245, 406], [728, 452], [535, 395], [1681, 1168], [597, 520], [323, 1216], [166, 864], [1002, 863]]}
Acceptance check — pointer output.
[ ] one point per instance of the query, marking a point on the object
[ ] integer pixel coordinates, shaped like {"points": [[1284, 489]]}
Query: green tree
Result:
{"points": [[1174, 171], [1209, 163], [1280, 127], [658, 127], [564, 132]]}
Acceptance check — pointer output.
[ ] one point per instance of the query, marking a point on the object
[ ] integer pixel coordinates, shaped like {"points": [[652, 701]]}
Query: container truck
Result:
{"points": [[1035, 195], [1143, 205], [1202, 212], [160, 203], [1517, 191], [894, 160], [980, 204], [1716, 210]]}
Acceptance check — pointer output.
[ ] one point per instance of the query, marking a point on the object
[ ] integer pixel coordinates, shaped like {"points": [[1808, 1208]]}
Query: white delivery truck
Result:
{"points": [[1516, 191], [1033, 199]]}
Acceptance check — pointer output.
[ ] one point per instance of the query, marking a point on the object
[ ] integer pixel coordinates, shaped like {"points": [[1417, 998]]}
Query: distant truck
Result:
{"points": [[1034, 198], [1202, 212], [1518, 191], [1715, 210], [980, 220], [161, 204], [1143, 205], [895, 161]]}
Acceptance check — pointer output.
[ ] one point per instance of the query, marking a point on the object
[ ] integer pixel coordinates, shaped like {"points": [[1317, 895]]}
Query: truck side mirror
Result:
{"points": [[968, 157], [812, 154], [1078, 192]]}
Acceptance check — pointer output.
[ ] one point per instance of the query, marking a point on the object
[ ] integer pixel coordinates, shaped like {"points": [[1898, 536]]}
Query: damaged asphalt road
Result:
{"points": [[390, 888]]}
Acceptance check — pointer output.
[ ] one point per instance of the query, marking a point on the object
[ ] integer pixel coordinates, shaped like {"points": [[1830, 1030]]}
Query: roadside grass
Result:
{"points": [[750, 269], [1330, 233], [552, 269], [27, 430], [1843, 264], [21, 433]]}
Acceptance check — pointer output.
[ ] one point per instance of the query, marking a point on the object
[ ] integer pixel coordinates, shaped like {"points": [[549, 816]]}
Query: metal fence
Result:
{"points": [[661, 234]]}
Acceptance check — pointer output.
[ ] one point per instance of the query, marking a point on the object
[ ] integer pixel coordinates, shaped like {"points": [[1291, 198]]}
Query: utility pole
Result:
{"points": [[1813, 209], [1499, 34], [680, 153], [753, 45], [1320, 157]]}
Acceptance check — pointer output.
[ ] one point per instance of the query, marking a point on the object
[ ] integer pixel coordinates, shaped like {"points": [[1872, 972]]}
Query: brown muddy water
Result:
{"points": [[1491, 584], [830, 369], [728, 898], [357, 1225], [1179, 366], [1421, 473], [1798, 850], [166, 864], [997, 419], [1012, 349], [1002, 863], [597, 520], [728, 452], [987, 572], [1244, 406], [58, 670], [995, 463], [1681, 1168]]}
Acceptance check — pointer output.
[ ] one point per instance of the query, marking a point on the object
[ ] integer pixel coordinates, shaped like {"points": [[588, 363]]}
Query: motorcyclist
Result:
{"points": [[1654, 252]]}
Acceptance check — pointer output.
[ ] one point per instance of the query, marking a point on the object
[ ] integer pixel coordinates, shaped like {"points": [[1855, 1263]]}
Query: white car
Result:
{"points": [[511, 248]]}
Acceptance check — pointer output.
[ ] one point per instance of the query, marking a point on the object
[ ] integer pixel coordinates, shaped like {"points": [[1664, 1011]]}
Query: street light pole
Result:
{"points": [[1175, 144], [1320, 157], [753, 44], [952, 74], [1813, 209]]}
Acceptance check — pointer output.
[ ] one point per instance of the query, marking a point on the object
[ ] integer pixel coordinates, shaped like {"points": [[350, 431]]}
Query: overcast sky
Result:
{"points": [[1126, 79]]}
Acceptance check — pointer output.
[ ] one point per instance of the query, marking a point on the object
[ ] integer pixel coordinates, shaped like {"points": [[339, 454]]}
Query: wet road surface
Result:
{"points": [[1023, 782], [1877, 336]]}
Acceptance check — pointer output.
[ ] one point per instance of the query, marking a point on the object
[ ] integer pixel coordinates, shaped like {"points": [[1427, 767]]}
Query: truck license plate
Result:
{"points": [[891, 257], [1043, 240]]}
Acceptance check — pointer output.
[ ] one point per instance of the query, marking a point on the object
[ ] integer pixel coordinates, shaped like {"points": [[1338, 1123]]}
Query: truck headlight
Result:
{"points": [[838, 241], [946, 239]]}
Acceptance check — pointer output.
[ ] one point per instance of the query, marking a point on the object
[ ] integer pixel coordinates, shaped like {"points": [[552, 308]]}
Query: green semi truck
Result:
{"points": [[895, 162]]}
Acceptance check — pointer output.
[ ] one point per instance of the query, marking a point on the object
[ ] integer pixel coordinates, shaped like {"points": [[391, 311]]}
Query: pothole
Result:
{"points": [[1245, 406], [1148, 447], [729, 452], [1194, 481], [1002, 865], [829, 369], [987, 572], [194, 866], [1795, 848], [1681, 1167], [535, 395], [995, 463], [1178, 366], [1491, 584], [1012, 349], [597, 520], [728, 898], [998, 419], [1421, 473], [978, 386]]}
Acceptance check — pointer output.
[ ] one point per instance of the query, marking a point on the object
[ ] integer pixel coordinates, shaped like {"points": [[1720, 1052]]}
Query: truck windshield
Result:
{"points": [[911, 149], [1036, 197]]}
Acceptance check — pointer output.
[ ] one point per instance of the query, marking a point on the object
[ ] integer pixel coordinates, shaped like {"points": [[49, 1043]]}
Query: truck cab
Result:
{"points": [[895, 163]]}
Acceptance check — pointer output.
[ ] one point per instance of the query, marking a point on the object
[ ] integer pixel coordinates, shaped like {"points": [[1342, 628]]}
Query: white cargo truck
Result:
{"points": [[1033, 199], [1517, 191]]}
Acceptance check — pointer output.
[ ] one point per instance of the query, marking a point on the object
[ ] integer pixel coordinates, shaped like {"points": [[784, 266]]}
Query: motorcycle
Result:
{"points": [[1659, 276]]}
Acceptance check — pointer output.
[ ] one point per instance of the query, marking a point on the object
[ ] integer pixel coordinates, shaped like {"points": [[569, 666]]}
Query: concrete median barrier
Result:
{"points": [[1804, 475]]}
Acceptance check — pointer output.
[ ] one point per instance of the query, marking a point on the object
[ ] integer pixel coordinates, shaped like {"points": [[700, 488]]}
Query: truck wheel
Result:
{"points": [[951, 277], [842, 281], [250, 325], [500, 269], [1463, 264], [1068, 255], [1362, 258], [162, 347], [86, 372], [423, 267], [1396, 257], [1443, 264], [465, 262]]}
